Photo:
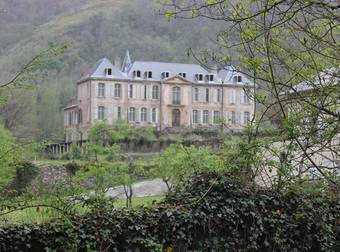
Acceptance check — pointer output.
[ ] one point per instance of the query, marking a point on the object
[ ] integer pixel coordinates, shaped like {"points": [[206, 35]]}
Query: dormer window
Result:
{"points": [[149, 74], [165, 75], [210, 77], [199, 77], [137, 74], [184, 75], [108, 71], [237, 78]]}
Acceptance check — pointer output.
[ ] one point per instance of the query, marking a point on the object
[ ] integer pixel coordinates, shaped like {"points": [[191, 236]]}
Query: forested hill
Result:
{"points": [[94, 29]]}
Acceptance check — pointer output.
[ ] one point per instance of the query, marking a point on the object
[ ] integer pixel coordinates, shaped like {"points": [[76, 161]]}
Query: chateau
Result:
{"points": [[158, 94]]}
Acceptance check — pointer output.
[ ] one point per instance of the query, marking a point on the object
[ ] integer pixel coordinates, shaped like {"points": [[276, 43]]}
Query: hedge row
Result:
{"points": [[213, 213]]}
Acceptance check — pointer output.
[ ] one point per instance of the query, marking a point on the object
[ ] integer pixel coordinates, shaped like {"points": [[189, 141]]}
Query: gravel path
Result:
{"points": [[146, 188]]}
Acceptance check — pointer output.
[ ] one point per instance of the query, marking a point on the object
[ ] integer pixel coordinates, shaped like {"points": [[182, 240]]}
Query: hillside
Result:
{"points": [[94, 29]]}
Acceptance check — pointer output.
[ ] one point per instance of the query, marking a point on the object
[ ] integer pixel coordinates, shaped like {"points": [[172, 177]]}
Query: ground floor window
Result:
{"points": [[132, 114], [217, 116], [205, 116]]}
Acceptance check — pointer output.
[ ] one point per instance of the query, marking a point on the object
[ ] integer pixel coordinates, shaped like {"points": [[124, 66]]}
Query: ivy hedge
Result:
{"points": [[212, 213]]}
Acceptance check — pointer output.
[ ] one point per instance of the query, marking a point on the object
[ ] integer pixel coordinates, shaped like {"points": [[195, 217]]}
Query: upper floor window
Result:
{"points": [[237, 78], [184, 75], [232, 96], [101, 90], [217, 116], [210, 77], [207, 95], [108, 71], [244, 97], [176, 95], [143, 115], [195, 116], [165, 75], [205, 116], [246, 117], [149, 75], [153, 115], [196, 94], [118, 89], [199, 77], [218, 95], [130, 91], [80, 116], [155, 92], [132, 114], [145, 93], [101, 113]]}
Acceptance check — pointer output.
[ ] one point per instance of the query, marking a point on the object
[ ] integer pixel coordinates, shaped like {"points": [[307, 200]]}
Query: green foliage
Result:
{"points": [[212, 213], [178, 161], [25, 173], [72, 168], [9, 155]]}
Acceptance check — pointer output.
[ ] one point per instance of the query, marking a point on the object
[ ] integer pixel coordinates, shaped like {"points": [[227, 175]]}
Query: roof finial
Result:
{"points": [[127, 62]]}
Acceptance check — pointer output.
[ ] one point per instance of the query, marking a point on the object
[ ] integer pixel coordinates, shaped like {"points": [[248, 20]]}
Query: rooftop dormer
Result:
{"points": [[137, 74], [165, 75], [210, 77], [184, 75], [108, 72], [199, 77], [237, 79], [148, 75]]}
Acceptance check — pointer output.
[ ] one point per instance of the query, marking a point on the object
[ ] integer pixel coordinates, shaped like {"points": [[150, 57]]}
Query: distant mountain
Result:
{"points": [[94, 28]]}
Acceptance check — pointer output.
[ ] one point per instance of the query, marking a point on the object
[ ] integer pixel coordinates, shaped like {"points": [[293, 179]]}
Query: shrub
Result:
{"points": [[25, 173], [72, 167], [212, 213]]}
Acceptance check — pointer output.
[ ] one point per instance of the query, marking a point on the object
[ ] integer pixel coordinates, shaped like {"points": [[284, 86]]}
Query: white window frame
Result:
{"points": [[117, 90], [195, 117], [101, 113], [101, 90], [205, 116], [144, 115], [132, 114], [155, 92]]}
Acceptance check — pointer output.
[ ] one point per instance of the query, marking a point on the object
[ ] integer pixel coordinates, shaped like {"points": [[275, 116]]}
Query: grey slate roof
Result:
{"points": [[98, 71]]}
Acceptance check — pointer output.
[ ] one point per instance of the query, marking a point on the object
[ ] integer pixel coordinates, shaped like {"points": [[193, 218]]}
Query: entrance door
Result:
{"points": [[176, 118]]}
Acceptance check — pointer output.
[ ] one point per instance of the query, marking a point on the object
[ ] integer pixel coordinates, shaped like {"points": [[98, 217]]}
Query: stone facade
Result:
{"points": [[160, 95]]}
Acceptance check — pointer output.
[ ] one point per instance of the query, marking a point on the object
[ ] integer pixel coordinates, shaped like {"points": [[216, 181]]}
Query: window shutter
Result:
{"points": [[242, 96], [114, 112], [238, 115], [106, 112], [112, 87], [134, 91], [150, 92], [215, 96]]}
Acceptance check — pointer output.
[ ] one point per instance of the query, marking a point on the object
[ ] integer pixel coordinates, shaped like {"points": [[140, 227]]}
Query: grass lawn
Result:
{"points": [[44, 214]]}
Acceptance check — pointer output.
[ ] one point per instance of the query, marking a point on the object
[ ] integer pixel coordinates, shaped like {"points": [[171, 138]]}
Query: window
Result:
{"points": [[143, 115], [119, 112], [207, 95], [232, 96], [101, 113], [153, 115], [165, 75], [210, 77], [239, 78], [145, 95], [184, 75], [108, 71], [205, 116], [218, 95], [149, 75], [101, 90], [69, 118], [138, 74], [199, 77], [217, 116], [176, 95], [246, 117], [195, 116], [196, 94], [244, 97], [233, 117], [132, 114], [130, 91], [155, 92], [117, 92]]}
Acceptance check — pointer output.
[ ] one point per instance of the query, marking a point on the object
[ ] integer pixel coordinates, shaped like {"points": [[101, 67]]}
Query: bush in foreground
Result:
{"points": [[213, 213]]}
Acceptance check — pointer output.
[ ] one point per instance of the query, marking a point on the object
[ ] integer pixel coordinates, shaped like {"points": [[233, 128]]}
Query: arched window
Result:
{"points": [[155, 92], [132, 114], [176, 95], [143, 115]]}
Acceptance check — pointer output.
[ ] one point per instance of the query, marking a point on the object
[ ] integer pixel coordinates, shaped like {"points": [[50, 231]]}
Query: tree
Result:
{"points": [[178, 161], [290, 50]]}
